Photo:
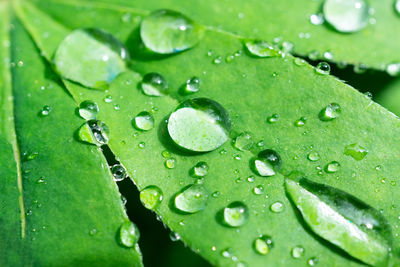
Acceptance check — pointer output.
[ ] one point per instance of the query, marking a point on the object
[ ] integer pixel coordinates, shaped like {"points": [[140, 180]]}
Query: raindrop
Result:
{"points": [[273, 118], [312, 261], [313, 156], [299, 61], [263, 244], [119, 172], [236, 214], [356, 151], [300, 122], [108, 99], [317, 19], [167, 32], [267, 163], [129, 234], [174, 236], [260, 48], [394, 68], [94, 132], [166, 154], [192, 199], [170, 163], [297, 252], [144, 121], [346, 15], [45, 111], [154, 84], [258, 190], [192, 85], [217, 60], [330, 112], [88, 110], [199, 124], [151, 197], [216, 194], [199, 170], [323, 68], [142, 145], [332, 167], [243, 142], [277, 207]]}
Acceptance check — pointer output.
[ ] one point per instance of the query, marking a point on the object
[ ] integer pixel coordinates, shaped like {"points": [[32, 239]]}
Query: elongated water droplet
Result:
{"points": [[151, 197], [144, 121], [267, 163], [330, 112], [199, 124], [263, 244], [236, 214], [346, 15], [297, 252], [323, 68], [88, 110], [356, 151], [342, 219], [90, 57], [192, 85], [94, 132], [260, 48], [129, 234], [199, 170], [119, 172], [332, 167], [154, 84], [243, 141], [166, 32], [192, 199]]}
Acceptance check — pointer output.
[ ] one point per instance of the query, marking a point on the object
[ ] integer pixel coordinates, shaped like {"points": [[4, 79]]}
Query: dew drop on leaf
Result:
{"points": [[346, 15], [119, 172], [277, 207], [167, 32], [45, 111], [267, 163], [174, 236], [356, 151], [144, 121], [323, 68], [151, 197], [273, 118], [90, 57], [170, 163], [297, 252], [192, 85], [332, 167], [300, 122], [154, 84], [330, 112], [258, 190], [199, 124], [192, 199], [260, 48], [313, 156], [128, 234], [88, 110], [236, 214], [199, 170], [27, 156], [312, 261], [94, 132], [317, 19], [243, 142], [397, 7], [394, 68], [263, 244]]}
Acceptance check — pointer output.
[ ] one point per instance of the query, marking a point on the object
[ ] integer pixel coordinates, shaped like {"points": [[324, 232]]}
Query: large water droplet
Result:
{"points": [[166, 32], [199, 170], [397, 7], [346, 15], [244, 141], [356, 151], [330, 112], [129, 234], [260, 48], [154, 84], [90, 57], [263, 244], [192, 199], [119, 172], [236, 214], [199, 124], [94, 132], [151, 197], [267, 163], [88, 110], [144, 121], [342, 219]]}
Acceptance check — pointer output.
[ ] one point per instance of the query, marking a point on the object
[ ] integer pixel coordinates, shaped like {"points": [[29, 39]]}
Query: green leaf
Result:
{"points": [[250, 89], [59, 203], [375, 46], [389, 97]]}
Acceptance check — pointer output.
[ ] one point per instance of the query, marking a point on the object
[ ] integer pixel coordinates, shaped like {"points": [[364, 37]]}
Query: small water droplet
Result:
{"points": [[312, 261], [251, 179], [277, 207], [260, 48], [297, 252], [346, 15], [273, 118], [151, 197], [93, 232], [144, 121], [243, 142], [300, 122], [174, 236], [313, 55], [394, 68], [332, 167], [166, 154], [227, 253], [192, 199], [94, 132], [323, 68], [317, 19], [108, 99], [199, 124], [119, 172], [199, 170], [166, 32], [154, 84], [128, 234], [263, 244], [360, 68], [330, 112], [27, 156], [313, 156], [299, 61], [236, 214], [45, 111], [216, 194], [192, 85], [170, 163], [267, 163], [88, 110], [356, 151], [258, 190], [142, 145]]}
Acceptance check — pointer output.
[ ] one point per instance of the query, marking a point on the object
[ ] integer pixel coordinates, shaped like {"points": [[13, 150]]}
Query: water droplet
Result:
{"points": [[394, 68], [142, 145], [317, 19], [166, 32], [267, 163], [192, 85], [90, 57], [129, 234], [260, 48], [45, 111], [217, 60], [263, 244], [313, 55], [287, 47], [273, 118], [174, 236], [170, 163], [300, 122], [144, 121], [119, 172], [277, 207], [227, 253], [199, 170], [251, 179], [346, 15], [108, 99], [330, 112], [258, 190], [360, 68], [192, 199], [299, 61], [88, 110], [94, 132], [397, 7], [236, 214], [297, 252], [93, 232], [312, 261], [199, 124], [166, 154], [323, 68], [356, 151], [151, 197], [313, 156], [27, 156], [243, 142], [154, 84], [216, 194], [332, 167]]}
